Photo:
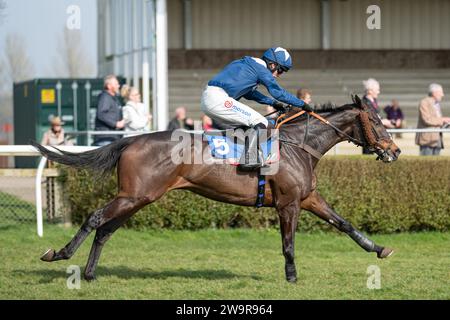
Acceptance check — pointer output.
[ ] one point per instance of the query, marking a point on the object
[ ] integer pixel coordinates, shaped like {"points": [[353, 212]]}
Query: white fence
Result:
{"points": [[403, 138], [91, 133], [25, 150]]}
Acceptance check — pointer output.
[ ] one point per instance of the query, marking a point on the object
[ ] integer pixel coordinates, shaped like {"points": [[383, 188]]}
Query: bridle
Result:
{"points": [[373, 141]]}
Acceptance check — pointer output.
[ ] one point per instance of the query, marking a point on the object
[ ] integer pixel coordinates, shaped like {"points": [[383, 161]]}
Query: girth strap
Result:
{"points": [[316, 154], [261, 189]]}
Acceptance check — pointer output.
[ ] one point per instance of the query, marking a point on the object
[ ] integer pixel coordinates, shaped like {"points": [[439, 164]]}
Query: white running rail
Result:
{"points": [[25, 150]]}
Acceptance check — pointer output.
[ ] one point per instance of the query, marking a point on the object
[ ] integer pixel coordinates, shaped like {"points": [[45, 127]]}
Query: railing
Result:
{"points": [[335, 149], [91, 133], [10, 150], [122, 133], [418, 130]]}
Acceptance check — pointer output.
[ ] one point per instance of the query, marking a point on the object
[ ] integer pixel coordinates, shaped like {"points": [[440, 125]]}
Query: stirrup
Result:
{"points": [[250, 166], [260, 163]]}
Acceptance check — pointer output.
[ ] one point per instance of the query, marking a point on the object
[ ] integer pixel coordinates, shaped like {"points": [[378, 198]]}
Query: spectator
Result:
{"points": [[430, 116], [55, 135], [180, 121], [109, 112], [395, 115], [372, 90], [305, 95], [135, 115], [207, 123]]}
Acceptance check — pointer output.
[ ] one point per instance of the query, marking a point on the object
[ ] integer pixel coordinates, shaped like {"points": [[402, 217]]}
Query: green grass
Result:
{"points": [[224, 264]]}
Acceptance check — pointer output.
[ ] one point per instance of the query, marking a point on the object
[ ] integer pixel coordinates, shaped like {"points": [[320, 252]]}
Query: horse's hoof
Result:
{"points": [[48, 255], [89, 277], [386, 252]]}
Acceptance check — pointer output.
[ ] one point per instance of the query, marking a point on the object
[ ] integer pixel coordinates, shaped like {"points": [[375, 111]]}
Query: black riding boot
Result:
{"points": [[253, 157]]}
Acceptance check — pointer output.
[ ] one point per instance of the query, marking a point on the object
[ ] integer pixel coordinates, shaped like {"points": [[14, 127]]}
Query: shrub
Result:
{"points": [[410, 194]]}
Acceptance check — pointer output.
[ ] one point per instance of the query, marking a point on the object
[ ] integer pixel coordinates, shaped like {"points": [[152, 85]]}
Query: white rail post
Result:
{"points": [[39, 219]]}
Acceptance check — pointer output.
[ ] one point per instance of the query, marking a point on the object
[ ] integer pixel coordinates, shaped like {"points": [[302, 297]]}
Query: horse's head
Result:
{"points": [[374, 134]]}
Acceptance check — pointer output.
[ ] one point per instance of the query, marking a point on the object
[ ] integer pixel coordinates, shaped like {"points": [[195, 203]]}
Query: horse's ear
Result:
{"points": [[353, 97], [357, 101]]}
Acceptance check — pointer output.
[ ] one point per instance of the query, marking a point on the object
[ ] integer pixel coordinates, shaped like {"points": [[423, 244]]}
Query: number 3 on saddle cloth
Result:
{"points": [[230, 148]]}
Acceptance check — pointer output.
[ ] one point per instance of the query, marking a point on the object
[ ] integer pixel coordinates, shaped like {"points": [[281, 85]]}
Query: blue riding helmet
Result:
{"points": [[280, 56]]}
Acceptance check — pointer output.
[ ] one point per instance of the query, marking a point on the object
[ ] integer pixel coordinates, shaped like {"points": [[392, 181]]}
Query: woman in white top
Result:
{"points": [[135, 115]]}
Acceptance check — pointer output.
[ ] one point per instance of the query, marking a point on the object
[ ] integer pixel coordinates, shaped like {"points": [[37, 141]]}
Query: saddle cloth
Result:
{"points": [[231, 148]]}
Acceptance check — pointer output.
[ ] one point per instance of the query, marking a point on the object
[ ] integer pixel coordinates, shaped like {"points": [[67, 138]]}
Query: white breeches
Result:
{"points": [[218, 105]]}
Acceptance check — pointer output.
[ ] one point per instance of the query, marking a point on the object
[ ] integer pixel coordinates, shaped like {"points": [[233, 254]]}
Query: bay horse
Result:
{"points": [[145, 173]]}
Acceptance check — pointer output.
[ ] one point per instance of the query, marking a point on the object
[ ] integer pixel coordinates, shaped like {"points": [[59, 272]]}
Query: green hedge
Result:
{"points": [[409, 195]]}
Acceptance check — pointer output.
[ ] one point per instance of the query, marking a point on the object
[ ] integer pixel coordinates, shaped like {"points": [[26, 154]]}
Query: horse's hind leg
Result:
{"points": [[125, 209], [94, 221], [317, 205], [101, 236]]}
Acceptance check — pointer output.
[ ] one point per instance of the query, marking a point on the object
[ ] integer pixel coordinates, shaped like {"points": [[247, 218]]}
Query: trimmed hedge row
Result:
{"points": [[411, 194]]}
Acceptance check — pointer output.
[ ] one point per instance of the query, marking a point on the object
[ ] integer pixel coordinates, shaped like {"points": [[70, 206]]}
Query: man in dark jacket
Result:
{"points": [[109, 112], [180, 121]]}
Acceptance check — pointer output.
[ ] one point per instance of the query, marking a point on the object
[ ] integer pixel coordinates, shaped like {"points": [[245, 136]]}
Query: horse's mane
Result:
{"points": [[329, 107], [324, 108]]}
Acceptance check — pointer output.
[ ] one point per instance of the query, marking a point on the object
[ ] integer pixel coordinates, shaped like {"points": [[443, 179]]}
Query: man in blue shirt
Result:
{"points": [[241, 78]]}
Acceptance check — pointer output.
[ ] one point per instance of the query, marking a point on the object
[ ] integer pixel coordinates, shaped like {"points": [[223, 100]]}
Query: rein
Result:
{"points": [[349, 138], [280, 123], [282, 120]]}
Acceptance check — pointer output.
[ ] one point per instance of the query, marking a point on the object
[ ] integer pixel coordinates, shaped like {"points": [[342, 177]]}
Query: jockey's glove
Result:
{"points": [[307, 107], [279, 106]]}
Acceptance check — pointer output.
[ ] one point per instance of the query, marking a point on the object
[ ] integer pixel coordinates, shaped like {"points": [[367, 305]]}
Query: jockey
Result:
{"points": [[240, 79]]}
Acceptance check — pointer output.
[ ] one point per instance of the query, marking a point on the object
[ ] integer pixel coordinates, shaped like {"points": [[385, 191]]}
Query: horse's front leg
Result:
{"points": [[317, 205], [288, 223]]}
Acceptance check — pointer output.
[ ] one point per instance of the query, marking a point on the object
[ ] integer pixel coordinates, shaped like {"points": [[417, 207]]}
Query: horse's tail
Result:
{"points": [[101, 161]]}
